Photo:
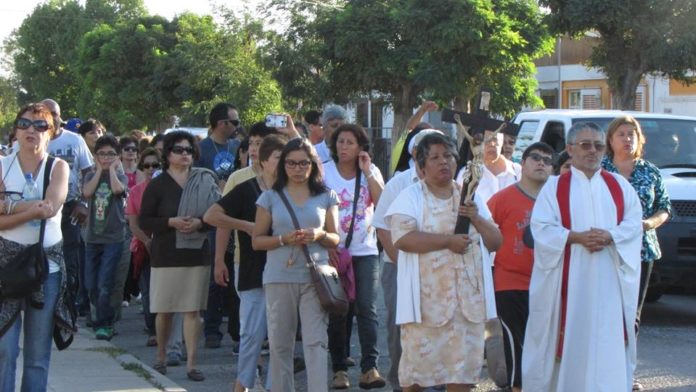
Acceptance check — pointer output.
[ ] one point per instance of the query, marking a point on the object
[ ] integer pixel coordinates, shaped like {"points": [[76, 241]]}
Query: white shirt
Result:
{"points": [[323, 151], [391, 191], [364, 242], [490, 184]]}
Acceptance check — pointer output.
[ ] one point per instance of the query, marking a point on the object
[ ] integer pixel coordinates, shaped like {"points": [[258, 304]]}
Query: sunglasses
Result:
{"points": [[14, 196], [146, 166], [39, 125], [130, 149], [587, 145], [180, 150], [293, 164], [548, 161], [104, 154], [233, 122]]}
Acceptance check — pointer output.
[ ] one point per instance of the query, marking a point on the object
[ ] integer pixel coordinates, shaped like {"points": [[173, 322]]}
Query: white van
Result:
{"points": [[671, 146]]}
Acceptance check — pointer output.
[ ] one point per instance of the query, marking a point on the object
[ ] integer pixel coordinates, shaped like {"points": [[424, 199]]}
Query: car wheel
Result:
{"points": [[654, 294]]}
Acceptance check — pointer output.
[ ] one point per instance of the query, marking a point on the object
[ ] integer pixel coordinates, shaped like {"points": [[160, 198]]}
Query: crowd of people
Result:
{"points": [[226, 226]]}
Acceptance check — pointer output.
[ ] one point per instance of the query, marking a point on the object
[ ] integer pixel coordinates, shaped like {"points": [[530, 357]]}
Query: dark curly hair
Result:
{"points": [[316, 181], [173, 138]]}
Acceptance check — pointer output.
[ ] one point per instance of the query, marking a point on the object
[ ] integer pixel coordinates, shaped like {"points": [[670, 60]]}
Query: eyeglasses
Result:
{"points": [[548, 161], [105, 154], [39, 125], [147, 166], [587, 145], [14, 196], [130, 149], [181, 150], [231, 121], [293, 164]]}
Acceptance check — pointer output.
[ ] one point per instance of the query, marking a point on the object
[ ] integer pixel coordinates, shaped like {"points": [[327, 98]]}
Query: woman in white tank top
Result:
{"points": [[19, 227]]}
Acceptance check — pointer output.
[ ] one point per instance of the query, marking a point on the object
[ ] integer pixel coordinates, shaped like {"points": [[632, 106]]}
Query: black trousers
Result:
{"points": [[513, 310]]}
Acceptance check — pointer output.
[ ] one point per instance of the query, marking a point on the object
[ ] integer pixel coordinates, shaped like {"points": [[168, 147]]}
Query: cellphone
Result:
{"points": [[276, 121]]}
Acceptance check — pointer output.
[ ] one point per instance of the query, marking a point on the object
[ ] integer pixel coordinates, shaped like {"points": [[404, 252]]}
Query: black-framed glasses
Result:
{"points": [[39, 125], [107, 154], [130, 149], [234, 122], [548, 161], [180, 150], [9, 195], [146, 166], [302, 164], [587, 145]]}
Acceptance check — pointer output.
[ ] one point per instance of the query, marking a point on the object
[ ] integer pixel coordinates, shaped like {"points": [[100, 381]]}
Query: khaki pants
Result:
{"points": [[283, 301]]}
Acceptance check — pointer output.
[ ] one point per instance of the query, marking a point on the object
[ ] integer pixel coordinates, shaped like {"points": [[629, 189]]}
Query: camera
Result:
{"points": [[276, 121]]}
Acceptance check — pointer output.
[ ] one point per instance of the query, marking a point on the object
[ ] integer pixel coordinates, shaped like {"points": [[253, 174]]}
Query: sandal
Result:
{"points": [[195, 375], [160, 367]]}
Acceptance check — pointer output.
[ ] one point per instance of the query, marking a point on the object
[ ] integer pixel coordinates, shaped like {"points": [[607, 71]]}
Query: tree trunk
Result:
{"points": [[403, 103], [624, 90]]}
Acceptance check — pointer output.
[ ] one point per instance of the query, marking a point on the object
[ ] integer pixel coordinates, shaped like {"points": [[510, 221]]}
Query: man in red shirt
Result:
{"points": [[511, 209]]}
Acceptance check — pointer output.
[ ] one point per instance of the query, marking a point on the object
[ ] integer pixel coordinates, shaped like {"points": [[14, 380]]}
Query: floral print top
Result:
{"points": [[647, 182]]}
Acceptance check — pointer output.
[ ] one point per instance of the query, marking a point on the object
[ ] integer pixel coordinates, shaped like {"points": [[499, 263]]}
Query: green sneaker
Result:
{"points": [[104, 333]]}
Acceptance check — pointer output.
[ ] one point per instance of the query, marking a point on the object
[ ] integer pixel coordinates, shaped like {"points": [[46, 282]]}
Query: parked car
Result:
{"points": [[671, 146]]}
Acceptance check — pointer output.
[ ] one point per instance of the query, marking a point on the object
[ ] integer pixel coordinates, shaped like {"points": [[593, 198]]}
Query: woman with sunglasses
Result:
{"points": [[624, 155], [172, 209], [140, 243], [37, 314], [286, 280]]}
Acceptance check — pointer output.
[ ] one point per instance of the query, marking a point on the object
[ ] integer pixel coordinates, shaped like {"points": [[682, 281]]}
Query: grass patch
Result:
{"points": [[141, 372], [112, 351]]}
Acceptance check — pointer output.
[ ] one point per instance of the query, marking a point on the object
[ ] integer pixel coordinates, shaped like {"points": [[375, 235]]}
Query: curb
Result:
{"points": [[156, 378]]}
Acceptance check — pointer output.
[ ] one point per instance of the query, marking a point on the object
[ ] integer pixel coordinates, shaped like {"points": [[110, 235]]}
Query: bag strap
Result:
{"points": [[296, 223], [356, 196], [46, 180]]}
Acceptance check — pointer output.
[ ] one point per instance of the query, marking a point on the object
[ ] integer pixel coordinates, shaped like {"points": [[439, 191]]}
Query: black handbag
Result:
{"points": [[27, 270], [332, 297]]}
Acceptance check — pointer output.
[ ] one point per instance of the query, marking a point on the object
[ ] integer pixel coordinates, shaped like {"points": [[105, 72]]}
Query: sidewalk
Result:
{"points": [[90, 365]]}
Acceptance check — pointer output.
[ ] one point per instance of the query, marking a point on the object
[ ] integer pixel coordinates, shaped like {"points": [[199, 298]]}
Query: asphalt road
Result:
{"points": [[666, 350]]}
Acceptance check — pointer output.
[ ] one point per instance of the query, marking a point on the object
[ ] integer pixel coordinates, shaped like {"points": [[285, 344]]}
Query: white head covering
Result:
{"points": [[419, 136]]}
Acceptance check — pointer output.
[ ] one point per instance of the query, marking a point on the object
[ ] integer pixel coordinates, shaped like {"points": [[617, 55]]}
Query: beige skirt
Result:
{"points": [[179, 289]]}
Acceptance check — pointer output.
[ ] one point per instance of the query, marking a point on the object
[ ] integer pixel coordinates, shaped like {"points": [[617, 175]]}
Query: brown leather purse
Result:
{"points": [[325, 278]]}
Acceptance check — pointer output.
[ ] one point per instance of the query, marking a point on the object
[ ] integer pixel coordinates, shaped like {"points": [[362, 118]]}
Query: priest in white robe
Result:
{"points": [[593, 347]]}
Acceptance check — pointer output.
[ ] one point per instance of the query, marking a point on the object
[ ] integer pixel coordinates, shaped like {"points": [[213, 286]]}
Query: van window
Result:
{"points": [[525, 137], [554, 135]]}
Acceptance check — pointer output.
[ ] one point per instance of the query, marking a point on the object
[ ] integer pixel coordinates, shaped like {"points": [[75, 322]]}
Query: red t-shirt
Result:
{"points": [[135, 198], [511, 210]]}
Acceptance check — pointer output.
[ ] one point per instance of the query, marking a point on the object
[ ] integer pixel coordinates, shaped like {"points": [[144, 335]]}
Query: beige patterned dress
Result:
{"points": [[447, 346]]}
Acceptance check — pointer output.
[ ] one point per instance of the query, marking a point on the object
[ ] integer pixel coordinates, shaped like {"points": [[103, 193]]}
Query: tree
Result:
{"points": [[637, 37], [215, 64], [45, 47], [406, 48], [8, 105]]}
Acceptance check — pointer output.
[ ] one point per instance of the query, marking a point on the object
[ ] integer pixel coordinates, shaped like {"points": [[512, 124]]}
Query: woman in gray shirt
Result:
{"points": [[286, 278]]}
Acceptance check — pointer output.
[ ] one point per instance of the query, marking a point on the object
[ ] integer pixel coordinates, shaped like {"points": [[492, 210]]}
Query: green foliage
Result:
{"points": [[8, 107], [637, 37]]}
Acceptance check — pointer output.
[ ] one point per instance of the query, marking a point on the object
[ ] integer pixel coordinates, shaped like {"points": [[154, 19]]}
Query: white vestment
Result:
{"points": [[602, 291]]}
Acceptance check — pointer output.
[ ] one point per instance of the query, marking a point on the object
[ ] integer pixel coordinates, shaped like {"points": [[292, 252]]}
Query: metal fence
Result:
{"points": [[380, 148]]}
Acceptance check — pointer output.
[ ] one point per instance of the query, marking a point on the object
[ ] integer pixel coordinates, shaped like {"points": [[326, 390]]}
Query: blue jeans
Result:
{"points": [[252, 332], [38, 335], [366, 270], [100, 278]]}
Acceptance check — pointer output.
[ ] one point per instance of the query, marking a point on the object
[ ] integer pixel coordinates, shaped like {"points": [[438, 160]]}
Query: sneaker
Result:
{"points": [[340, 380], [637, 386], [173, 359], [104, 333], [125, 304], [213, 341], [371, 380], [350, 362], [235, 348]]}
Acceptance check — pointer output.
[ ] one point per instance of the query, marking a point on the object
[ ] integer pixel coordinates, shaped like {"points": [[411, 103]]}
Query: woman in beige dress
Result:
{"points": [[440, 303]]}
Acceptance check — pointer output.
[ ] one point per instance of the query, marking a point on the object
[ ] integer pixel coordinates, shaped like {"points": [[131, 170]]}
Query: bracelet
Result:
{"points": [[280, 240]]}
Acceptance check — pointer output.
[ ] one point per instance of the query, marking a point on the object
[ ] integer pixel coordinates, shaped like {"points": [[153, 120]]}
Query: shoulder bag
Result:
{"points": [[28, 270], [324, 277]]}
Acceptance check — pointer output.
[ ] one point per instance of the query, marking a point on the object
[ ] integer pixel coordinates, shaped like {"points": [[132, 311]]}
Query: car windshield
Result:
{"points": [[668, 142]]}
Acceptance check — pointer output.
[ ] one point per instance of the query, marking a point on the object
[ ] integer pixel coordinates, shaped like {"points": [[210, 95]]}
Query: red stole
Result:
{"points": [[563, 196]]}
